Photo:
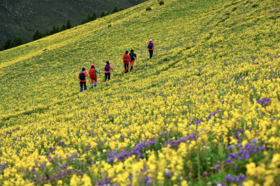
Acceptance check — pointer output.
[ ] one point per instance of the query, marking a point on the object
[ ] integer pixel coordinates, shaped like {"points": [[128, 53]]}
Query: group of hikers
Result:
{"points": [[127, 58]]}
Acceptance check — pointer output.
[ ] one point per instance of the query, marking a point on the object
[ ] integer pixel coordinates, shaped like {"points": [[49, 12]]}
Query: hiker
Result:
{"points": [[82, 76], [132, 58], [92, 75], [151, 46], [126, 60], [107, 68]]}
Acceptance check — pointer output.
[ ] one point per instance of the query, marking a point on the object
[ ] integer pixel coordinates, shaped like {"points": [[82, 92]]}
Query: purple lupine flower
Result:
{"points": [[263, 101], [228, 160], [198, 121], [88, 147], [112, 156], [272, 119], [168, 174], [177, 142], [229, 178], [220, 184], [230, 147], [61, 143], [239, 145], [213, 114]]}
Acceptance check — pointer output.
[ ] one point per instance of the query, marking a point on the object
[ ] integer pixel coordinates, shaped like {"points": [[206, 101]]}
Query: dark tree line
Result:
{"points": [[38, 34], [12, 43]]}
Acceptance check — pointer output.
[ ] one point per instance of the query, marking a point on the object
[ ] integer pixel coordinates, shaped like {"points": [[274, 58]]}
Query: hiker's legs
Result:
{"points": [[95, 83], [91, 80], [81, 85], [151, 53], [85, 85], [131, 64], [126, 64], [107, 75]]}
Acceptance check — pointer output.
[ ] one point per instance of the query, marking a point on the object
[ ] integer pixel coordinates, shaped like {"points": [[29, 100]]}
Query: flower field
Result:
{"points": [[203, 111]]}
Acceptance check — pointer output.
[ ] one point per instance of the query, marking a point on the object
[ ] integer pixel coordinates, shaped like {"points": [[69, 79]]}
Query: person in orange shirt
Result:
{"points": [[151, 47], [92, 75], [126, 60]]}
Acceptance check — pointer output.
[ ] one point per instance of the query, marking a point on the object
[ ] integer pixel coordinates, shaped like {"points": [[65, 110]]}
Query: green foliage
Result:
{"points": [[17, 42], [7, 44], [68, 24], [102, 14], [55, 30], [83, 21], [94, 16], [63, 28], [37, 35], [255, 5], [47, 33], [161, 2], [115, 9], [148, 8], [89, 18]]}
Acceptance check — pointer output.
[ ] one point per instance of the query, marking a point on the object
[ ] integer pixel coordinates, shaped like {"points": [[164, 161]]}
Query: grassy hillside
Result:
{"points": [[21, 18], [203, 111]]}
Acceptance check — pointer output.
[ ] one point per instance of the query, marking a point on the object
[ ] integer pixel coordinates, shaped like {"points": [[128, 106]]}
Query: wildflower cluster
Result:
{"points": [[203, 111]]}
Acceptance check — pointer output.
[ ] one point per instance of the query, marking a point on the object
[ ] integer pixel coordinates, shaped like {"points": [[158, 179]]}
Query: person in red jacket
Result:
{"points": [[151, 47], [82, 76], [126, 60], [92, 75]]}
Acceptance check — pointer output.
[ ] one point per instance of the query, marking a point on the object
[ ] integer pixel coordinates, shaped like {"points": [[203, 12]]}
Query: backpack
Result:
{"points": [[125, 57], [92, 72], [82, 76], [132, 56], [150, 45], [107, 68]]}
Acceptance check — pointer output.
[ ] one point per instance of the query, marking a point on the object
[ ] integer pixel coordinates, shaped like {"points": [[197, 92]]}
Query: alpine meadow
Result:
{"points": [[202, 112]]}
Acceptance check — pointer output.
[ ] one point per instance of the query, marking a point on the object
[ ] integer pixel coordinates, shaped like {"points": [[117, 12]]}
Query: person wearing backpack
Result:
{"points": [[126, 60], [82, 76], [132, 57], [92, 75], [151, 46], [107, 68]]}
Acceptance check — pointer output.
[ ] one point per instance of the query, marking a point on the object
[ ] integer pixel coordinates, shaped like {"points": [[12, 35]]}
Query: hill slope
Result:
{"points": [[203, 110], [22, 18]]}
